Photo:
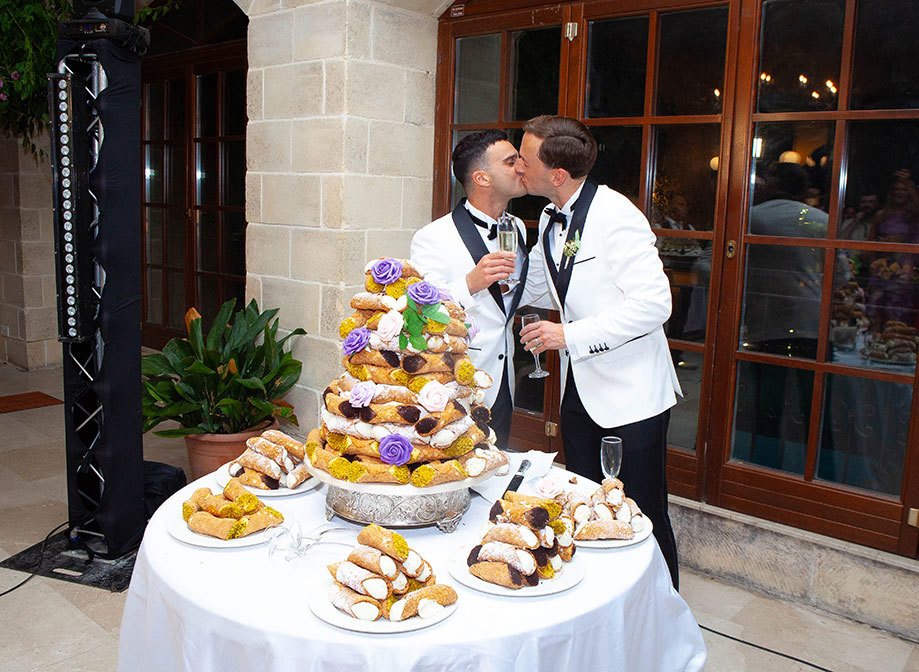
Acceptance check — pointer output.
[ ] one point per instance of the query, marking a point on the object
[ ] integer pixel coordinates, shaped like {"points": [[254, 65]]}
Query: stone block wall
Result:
{"points": [[340, 148], [28, 314]]}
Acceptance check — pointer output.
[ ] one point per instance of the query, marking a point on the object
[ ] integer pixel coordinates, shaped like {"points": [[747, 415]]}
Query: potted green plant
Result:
{"points": [[222, 389]]}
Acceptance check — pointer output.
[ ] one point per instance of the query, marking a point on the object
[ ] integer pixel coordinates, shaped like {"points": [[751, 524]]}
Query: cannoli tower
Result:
{"points": [[408, 408]]}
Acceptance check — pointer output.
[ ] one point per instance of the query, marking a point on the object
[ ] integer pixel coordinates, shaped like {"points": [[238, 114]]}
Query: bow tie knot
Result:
{"points": [[556, 216]]}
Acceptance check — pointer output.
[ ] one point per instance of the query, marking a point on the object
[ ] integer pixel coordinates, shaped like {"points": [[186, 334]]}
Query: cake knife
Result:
{"points": [[518, 477]]}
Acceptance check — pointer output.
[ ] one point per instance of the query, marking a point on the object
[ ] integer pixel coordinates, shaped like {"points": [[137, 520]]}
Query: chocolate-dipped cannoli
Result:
{"points": [[519, 558], [424, 603], [391, 543], [553, 508], [354, 604], [604, 529], [259, 462], [499, 573], [272, 451], [205, 523], [513, 534], [252, 478], [509, 512], [374, 560], [293, 447], [360, 580]]}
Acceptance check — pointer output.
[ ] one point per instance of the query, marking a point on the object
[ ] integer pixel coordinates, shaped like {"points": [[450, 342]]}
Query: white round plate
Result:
{"points": [[395, 490], [618, 543], [569, 577], [178, 529], [223, 477], [320, 606]]}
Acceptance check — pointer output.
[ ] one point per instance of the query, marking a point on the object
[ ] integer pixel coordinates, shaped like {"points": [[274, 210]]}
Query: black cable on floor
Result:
{"points": [[41, 557], [764, 648]]}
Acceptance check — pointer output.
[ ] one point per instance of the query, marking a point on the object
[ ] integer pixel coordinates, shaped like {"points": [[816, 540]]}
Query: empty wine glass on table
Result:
{"points": [[507, 240], [532, 318], [610, 456]]}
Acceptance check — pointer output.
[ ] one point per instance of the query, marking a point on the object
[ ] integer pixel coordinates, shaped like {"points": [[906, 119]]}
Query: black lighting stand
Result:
{"points": [[95, 154]]}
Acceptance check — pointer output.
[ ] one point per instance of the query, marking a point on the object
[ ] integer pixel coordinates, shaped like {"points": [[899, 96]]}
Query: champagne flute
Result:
{"points": [[533, 318], [507, 240], [610, 456]]}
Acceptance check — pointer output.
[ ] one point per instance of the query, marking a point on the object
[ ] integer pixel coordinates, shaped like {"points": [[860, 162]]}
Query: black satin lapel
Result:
{"points": [[547, 255], [471, 238], [579, 216]]}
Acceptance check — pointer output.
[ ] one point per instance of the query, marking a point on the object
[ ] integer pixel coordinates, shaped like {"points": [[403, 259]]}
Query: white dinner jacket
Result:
{"points": [[440, 253], [617, 302]]}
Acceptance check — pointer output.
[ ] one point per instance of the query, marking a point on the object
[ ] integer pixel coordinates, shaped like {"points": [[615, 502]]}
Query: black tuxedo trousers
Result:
{"points": [[644, 463]]}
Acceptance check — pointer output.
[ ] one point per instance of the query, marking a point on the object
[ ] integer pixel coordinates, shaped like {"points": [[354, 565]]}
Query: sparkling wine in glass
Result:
{"points": [[610, 456], [533, 318], [507, 240]]}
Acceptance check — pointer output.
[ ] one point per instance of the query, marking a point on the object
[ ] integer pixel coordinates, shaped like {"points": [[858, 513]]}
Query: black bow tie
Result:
{"points": [[492, 230], [556, 216]]}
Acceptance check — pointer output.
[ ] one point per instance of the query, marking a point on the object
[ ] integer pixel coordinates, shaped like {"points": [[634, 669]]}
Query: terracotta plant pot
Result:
{"points": [[208, 452]]}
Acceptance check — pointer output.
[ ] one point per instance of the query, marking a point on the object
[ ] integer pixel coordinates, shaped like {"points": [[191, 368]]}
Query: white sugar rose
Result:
{"points": [[390, 325], [548, 487], [434, 396]]}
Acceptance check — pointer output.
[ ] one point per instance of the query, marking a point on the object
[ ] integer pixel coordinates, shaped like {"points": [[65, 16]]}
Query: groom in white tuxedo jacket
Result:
{"points": [[460, 252], [596, 263]]}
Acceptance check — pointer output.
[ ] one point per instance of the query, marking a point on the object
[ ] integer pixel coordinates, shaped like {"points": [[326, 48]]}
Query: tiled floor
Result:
{"points": [[55, 626]]}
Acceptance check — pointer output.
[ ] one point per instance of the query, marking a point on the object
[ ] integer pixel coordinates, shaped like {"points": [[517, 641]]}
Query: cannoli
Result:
{"points": [[424, 603], [612, 484], [547, 571], [400, 584], [499, 573], [520, 536], [391, 543], [615, 497], [546, 537], [482, 460], [236, 493], [553, 508], [293, 447], [255, 479], [205, 523], [435, 473], [604, 529], [577, 505], [258, 521], [295, 476], [361, 580], [374, 560], [520, 559], [567, 552], [193, 503], [272, 451], [220, 506], [260, 463], [354, 604], [424, 363], [504, 511], [563, 526], [373, 470], [376, 357]]}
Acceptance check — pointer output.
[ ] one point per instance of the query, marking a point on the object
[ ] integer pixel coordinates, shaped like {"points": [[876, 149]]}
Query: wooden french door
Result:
{"points": [[753, 134]]}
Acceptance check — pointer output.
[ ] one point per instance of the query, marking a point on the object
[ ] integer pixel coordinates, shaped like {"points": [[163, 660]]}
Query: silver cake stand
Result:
{"points": [[398, 505]]}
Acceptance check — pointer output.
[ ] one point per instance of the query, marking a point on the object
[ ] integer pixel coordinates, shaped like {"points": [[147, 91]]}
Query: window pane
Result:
{"points": [[684, 182], [617, 54], [234, 243], [235, 160], [234, 289], [883, 163], [175, 238], [175, 288], [535, 58], [688, 265], [175, 121], [618, 159], [800, 54], [865, 427], [234, 103], [154, 296], [175, 174], [792, 169], [153, 173], [208, 244], [692, 41], [153, 111], [874, 311], [206, 173], [154, 242], [478, 64], [781, 307], [772, 416], [208, 298], [684, 417], [207, 105], [886, 53]]}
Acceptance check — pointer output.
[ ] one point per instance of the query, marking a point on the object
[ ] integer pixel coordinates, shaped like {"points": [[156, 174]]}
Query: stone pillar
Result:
{"points": [[28, 313], [339, 156]]}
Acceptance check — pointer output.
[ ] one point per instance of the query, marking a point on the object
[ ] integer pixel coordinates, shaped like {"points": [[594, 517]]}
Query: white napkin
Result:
{"points": [[540, 463]]}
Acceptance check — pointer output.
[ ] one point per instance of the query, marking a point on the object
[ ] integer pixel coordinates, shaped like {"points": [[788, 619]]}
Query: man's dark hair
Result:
{"points": [[469, 154], [566, 143], [789, 180]]}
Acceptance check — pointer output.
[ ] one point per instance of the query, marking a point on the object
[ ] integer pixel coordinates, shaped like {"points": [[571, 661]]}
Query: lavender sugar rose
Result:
{"points": [[386, 271], [395, 449]]}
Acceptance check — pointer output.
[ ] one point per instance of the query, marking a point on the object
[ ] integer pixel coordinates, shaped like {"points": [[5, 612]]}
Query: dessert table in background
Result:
{"points": [[201, 610]]}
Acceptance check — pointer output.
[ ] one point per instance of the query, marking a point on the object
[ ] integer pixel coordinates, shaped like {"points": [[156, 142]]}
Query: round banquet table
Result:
{"points": [[234, 610]]}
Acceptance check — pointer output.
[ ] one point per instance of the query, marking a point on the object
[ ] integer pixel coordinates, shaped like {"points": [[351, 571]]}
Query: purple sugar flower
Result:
{"points": [[362, 394], [356, 341], [395, 449], [424, 293], [445, 295], [386, 271]]}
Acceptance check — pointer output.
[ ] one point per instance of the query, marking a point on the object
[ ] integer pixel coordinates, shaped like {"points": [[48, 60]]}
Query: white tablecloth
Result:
{"points": [[224, 610]]}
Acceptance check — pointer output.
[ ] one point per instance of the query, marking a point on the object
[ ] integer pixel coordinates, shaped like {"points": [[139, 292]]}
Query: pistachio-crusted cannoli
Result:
{"points": [[374, 560], [391, 543], [503, 511], [424, 603], [293, 447], [519, 558], [193, 503], [604, 529], [481, 460], [366, 469], [361, 580], [260, 463], [500, 574], [563, 526], [236, 493], [546, 571], [553, 508], [520, 536], [435, 473], [220, 506], [205, 523], [327, 460], [272, 451], [354, 604], [296, 476], [258, 521]]}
